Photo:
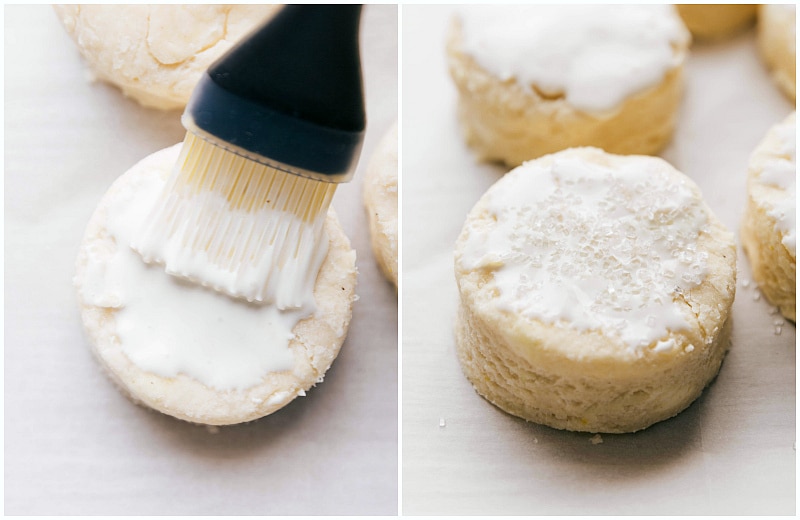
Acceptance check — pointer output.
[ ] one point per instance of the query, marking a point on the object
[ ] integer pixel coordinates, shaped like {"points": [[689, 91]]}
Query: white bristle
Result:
{"points": [[243, 228]]}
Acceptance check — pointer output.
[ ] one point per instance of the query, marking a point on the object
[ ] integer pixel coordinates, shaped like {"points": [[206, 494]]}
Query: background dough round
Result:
{"points": [[773, 263], [380, 199], [716, 21], [156, 53], [503, 120], [776, 40], [568, 376], [316, 343]]}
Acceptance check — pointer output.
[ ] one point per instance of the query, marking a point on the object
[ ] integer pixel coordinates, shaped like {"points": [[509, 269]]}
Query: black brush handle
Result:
{"points": [[290, 93]]}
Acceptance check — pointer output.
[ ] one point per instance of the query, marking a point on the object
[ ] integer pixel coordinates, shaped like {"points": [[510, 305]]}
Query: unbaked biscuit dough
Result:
{"points": [[716, 21], [777, 38], [769, 227], [380, 199], [189, 351], [533, 80], [156, 53], [595, 290]]}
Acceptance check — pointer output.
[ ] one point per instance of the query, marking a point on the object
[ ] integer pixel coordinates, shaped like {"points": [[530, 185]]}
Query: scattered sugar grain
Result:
{"points": [[644, 260]]}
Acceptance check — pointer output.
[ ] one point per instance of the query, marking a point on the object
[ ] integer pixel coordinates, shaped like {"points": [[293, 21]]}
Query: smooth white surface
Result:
{"points": [[596, 56], [731, 452], [170, 328], [599, 277], [73, 443]]}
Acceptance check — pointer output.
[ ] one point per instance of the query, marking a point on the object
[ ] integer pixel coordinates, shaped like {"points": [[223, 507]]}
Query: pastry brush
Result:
{"points": [[273, 127]]}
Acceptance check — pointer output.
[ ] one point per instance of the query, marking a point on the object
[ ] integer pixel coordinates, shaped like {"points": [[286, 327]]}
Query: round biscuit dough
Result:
{"points": [[716, 21], [380, 199], [157, 53], [774, 265], [503, 120], [777, 34], [567, 377], [316, 343]]}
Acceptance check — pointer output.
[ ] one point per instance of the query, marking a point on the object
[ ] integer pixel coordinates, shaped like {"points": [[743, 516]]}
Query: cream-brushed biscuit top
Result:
{"points": [[593, 246], [167, 326], [594, 55]]}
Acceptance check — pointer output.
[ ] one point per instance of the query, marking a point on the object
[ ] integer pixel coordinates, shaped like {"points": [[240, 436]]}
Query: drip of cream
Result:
{"points": [[780, 170], [168, 326], [585, 247], [594, 55]]}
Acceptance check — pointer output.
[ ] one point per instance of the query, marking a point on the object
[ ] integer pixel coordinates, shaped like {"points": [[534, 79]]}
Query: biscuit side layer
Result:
{"points": [[776, 41], [571, 394], [380, 200], [716, 21], [773, 268], [505, 121]]}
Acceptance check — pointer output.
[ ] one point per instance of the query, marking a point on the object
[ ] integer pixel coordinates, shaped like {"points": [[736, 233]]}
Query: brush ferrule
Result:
{"points": [[269, 137]]}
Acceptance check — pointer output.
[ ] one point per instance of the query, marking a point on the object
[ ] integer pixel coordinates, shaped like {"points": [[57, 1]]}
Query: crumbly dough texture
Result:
{"points": [[380, 199], [776, 40], [503, 120], [316, 344], [774, 267], [156, 53], [586, 380], [716, 21]]}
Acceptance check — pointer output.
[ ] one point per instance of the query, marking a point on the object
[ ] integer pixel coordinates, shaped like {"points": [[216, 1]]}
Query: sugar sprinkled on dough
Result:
{"points": [[593, 248]]}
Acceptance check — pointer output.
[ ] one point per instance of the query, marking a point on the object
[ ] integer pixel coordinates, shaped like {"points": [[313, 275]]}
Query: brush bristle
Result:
{"points": [[238, 226]]}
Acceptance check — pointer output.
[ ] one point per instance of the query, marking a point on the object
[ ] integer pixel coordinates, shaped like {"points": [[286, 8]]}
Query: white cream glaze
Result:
{"points": [[581, 246], [234, 225], [168, 326], [595, 55], [272, 275], [780, 170]]}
